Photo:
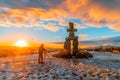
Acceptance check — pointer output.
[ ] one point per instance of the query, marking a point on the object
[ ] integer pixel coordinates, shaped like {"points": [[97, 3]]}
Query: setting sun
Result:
{"points": [[21, 43]]}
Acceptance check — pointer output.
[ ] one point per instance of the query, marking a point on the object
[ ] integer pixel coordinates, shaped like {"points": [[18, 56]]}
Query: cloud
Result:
{"points": [[82, 36], [115, 26], [27, 18], [29, 13], [94, 13], [105, 44], [21, 4], [103, 16], [51, 27], [111, 41]]}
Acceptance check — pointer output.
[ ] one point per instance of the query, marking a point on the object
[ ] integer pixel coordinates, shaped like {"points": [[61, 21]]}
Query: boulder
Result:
{"points": [[66, 54]]}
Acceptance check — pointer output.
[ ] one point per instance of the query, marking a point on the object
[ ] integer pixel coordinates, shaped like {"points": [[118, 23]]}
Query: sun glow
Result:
{"points": [[21, 43]]}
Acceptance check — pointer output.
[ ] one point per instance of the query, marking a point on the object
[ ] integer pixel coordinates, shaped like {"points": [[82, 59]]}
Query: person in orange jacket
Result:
{"points": [[41, 53]]}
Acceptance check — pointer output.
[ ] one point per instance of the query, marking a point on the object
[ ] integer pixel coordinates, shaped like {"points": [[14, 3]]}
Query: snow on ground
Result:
{"points": [[27, 68], [104, 60], [105, 56]]}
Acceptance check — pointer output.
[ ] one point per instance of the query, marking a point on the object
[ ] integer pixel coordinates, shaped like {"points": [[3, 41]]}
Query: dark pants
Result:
{"points": [[40, 60]]}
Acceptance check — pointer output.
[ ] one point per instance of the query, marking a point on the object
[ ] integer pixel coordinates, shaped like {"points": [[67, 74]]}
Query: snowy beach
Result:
{"points": [[102, 66]]}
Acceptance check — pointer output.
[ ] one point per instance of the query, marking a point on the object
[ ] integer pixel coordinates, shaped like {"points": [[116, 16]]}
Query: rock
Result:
{"points": [[47, 70], [94, 79], [106, 78], [27, 76], [94, 75], [66, 54], [83, 54], [98, 73], [55, 77], [74, 74], [81, 78]]}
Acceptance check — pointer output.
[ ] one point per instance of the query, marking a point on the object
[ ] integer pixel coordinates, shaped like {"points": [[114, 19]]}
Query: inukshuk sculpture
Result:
{"points": [[71, 40]]}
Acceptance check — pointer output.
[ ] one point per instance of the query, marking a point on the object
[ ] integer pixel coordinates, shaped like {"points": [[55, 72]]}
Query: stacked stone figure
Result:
{"points": [[71, 39]]}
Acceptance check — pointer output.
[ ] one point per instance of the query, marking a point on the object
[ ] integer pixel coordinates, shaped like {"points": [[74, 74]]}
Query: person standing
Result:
{"points": [[41, 53]]}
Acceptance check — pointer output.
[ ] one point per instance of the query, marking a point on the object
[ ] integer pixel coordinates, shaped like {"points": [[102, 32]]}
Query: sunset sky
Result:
{"points": [[47, 20]]}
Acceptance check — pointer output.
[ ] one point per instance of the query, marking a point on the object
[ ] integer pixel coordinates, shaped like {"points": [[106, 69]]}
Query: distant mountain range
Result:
{"points": [[112, 41]]}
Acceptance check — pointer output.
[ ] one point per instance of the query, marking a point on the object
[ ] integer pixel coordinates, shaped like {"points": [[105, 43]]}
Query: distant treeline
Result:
{"points": [[109, 49]]}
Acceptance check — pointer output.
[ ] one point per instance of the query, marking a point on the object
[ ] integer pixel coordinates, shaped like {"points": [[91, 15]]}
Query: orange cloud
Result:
{"points": [[94, 13], [105, 44], [51, 27], [115, 27], [82, 36]]}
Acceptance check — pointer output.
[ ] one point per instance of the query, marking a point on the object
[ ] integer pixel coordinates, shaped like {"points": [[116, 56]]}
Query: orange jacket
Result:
{"points": [[41, 49]]}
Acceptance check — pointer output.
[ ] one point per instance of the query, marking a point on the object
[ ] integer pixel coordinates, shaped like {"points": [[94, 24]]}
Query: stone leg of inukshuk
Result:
{"points": [[75, 46], [67, 45]]}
